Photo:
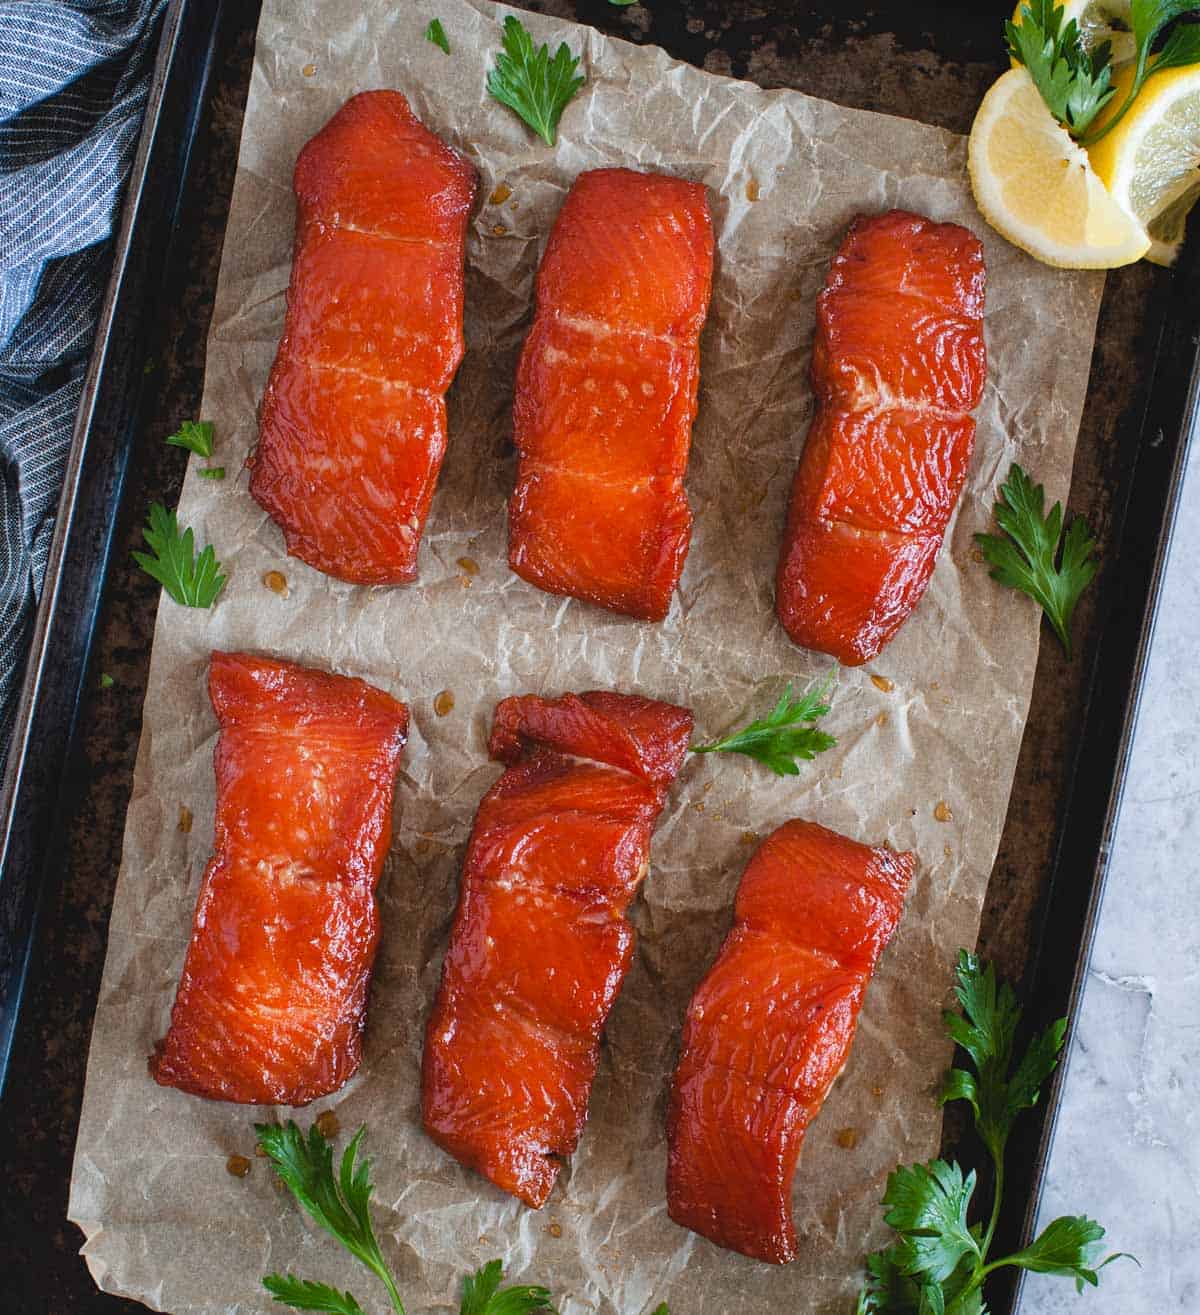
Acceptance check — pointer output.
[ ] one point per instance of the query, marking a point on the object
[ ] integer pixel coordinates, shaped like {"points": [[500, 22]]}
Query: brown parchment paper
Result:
{"points": [[938, 718]]}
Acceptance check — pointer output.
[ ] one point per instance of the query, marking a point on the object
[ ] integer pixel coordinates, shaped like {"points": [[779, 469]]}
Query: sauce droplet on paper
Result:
{"points": [[882, 682], [443, 703], [238, 1166], [942, 811], [276, 582]]}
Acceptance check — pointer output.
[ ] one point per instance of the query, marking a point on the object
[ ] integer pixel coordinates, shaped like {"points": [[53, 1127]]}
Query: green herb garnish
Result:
{"points": [[195, 435], [786, 733], [940, 1261], [529, 82], [211, 472], [482, 1295], [106, 681], [340, 1204], [436, 33], [1075, 83], [1028, 559], [190, 580]]}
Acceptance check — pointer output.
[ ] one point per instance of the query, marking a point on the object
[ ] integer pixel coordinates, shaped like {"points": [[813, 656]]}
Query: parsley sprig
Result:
{"points": [[195, 435], [341, 1204], [786, 733], [191, 580], [531, 83], [436, 33], [939, 1262], [1029, 560], [1075, 83]]}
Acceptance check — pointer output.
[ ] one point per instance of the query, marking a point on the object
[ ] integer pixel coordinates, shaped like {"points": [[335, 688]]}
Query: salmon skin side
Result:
{"points": [[540, 943], [899, 361], [769, 1029], [352, 428], [272, 1000], [606, 393]]}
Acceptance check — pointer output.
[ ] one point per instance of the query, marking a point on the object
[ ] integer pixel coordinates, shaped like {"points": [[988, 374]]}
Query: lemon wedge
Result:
{"points": [[1037, 188], [1099, 21], [1150, 162]]}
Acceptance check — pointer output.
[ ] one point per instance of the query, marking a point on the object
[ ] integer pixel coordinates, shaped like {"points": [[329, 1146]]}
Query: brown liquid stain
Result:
{"points": [[847, 1138], [327, 1124], [185, 818], [501, 194], [276, 582], [468, 564], [882, 682], [752, 190], [444, 703], [942, 811], [309, 70], [237, 1165], [882, 719], [498, 230]]}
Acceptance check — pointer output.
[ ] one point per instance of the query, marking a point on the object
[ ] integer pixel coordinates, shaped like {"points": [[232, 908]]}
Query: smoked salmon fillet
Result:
{"points": [[272, 999], [540, 944], [770, 1028], [352, 429], [606, 393], [898, 363]]}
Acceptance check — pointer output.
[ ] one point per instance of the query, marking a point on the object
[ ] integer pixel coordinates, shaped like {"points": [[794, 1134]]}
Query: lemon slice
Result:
{"points": [[1150, 161], [1036, 186], [1099, 21]]}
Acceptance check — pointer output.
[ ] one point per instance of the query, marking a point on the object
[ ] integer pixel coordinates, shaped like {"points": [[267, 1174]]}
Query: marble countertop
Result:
{"points": [[1127, 1150]]}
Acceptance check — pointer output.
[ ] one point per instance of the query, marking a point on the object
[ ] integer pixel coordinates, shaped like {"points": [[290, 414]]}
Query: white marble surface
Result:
{"points": [[1128, 1145]]}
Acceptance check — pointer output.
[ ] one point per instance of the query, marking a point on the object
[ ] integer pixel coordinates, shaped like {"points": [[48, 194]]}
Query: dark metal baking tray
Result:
{"points": [[95, 476], [62, 836]]}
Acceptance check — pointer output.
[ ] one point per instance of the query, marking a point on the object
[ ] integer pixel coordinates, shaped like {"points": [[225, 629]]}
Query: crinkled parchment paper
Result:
{"points": [[938, 718]]}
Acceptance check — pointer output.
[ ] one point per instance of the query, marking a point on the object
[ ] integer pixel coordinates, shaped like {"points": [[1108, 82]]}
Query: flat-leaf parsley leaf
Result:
{"points": [[340, 1203], [195, 435], [436, 33], [1074, 84], [532, 84], [939, 1262], [190, 580], [786, 733], [1026, 559]]}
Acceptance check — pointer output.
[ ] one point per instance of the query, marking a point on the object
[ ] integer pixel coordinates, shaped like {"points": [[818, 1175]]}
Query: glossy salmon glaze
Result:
{"points": [[540, 944], [898, 363], [271, 1004], [606, 393], [770, 1028], [352, 429]]}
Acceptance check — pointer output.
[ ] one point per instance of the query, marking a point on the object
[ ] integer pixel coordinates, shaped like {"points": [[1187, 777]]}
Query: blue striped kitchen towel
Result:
{"points": [[74, 78]]}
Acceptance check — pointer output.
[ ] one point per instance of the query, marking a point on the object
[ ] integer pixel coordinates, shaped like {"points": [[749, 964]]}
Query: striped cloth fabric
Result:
{"points": [[74, 77]]}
